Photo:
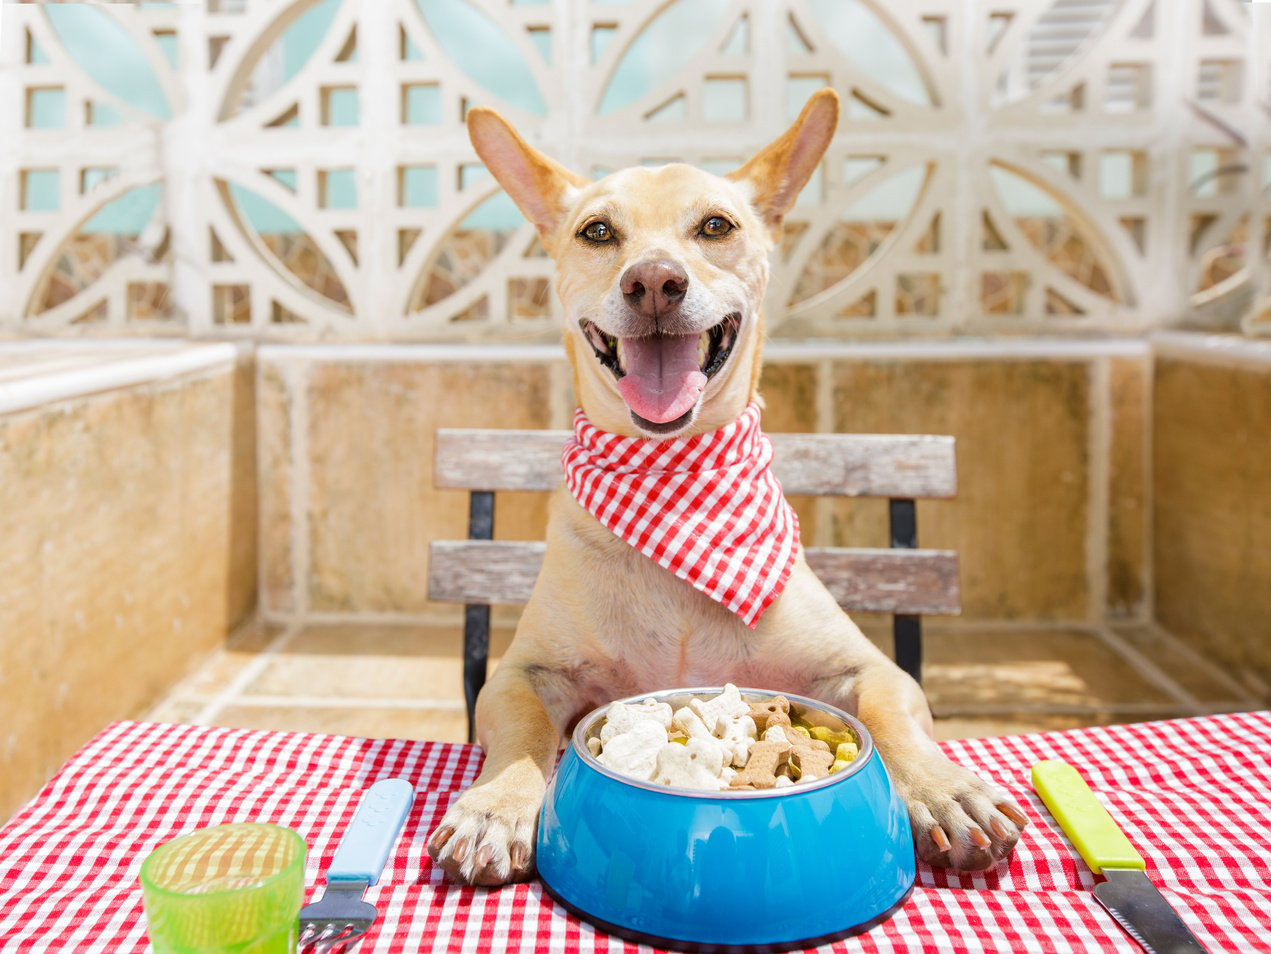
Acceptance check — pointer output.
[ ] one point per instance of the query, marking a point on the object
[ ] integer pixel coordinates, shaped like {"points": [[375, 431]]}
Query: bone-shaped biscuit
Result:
{"points": [[737, 733], [738, 737], [809, 762], [774, 711], [635, 751], [728, 704], [765, 764], [696, 764], [620, 716], [691, 724], [809, 758]]}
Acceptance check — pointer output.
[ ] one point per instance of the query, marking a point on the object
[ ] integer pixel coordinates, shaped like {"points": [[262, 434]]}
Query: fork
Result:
{"points": [[340, 917]]}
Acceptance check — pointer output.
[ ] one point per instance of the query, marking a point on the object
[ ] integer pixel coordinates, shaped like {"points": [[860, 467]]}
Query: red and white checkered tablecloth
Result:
{"points": [[1193, 795]]}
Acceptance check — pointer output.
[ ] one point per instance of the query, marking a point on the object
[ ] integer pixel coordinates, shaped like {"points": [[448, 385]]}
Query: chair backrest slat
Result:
{"points": [[841, 465], [910, 582]]}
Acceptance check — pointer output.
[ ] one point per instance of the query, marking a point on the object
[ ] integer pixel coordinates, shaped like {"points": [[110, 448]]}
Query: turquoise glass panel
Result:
{"points": [[340, 189], [471, 173], [107, 52], [857, 167], [483, 51], [798, 89], [865, 40], [302, 37], [90, 177], [34, 52], [47, 109], [498, 213], [1202, 166], [600, 37], [543, 43], [890, 200], [342, 106], [738, 42], [286, 176], [1116, 175], [725, 100], [1021, 197], [126, 215], [813, 193], [103, 115], [423, 105], [168, 46], [419, 187], [673, 112], [667, 45], [41, 190], [261, 214]]}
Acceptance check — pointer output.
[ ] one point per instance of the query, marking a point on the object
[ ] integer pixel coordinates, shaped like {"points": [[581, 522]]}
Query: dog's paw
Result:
{"points": [[487, 836], [958, 819]]}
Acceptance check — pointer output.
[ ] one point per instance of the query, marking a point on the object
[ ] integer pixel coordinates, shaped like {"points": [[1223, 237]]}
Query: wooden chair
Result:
{"points": [[903, 580]]}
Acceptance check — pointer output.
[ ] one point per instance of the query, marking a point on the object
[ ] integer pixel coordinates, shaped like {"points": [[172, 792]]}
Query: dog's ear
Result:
{"points": [[538, 185], [779, 171]]}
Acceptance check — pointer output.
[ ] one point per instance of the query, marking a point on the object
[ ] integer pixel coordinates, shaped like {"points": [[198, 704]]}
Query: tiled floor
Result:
{"points": [[403, 681]]}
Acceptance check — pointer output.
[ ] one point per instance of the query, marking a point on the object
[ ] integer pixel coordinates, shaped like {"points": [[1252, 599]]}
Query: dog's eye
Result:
{"points": [[716, 225], [597, 232]]}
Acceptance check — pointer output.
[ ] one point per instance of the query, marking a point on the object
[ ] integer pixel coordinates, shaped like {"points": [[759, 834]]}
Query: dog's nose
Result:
{"points": [[654, 287]]}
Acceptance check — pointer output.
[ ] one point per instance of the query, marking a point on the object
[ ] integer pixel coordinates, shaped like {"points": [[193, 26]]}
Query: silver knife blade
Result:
{"points": [[1128, 894], [1140, 908]]}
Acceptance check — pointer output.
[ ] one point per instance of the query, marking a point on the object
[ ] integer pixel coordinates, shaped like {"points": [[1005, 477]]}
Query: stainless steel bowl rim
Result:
{"points": [[579, 743]]}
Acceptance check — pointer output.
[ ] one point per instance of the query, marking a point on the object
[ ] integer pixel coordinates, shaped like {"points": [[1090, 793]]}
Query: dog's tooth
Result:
{"points": [[621, 353], [703, 347]]}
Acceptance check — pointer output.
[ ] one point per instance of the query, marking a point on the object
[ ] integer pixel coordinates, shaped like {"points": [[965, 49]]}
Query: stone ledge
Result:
{"points": [[36, 373]]}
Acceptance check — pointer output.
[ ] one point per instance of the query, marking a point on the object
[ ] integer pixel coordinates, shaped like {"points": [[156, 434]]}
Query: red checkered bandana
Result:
{"points": [[707, 507]]}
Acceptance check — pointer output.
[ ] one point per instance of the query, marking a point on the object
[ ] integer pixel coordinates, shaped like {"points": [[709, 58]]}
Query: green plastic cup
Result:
{"points": [[232, 888]]}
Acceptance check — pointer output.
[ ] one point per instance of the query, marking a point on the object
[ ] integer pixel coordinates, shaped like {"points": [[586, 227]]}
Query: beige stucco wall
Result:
{"points": [[1211, 470], [129, 550]]}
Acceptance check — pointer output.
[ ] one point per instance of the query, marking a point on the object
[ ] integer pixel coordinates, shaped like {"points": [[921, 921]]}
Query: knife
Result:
{"points": [[1128, 893]]}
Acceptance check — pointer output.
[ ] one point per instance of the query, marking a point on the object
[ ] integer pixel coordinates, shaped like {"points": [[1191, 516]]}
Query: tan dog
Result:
{"points": [[661, 272]]}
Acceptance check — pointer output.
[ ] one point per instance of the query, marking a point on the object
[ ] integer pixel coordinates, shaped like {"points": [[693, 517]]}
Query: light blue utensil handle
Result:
{"points": [[365, 846]]}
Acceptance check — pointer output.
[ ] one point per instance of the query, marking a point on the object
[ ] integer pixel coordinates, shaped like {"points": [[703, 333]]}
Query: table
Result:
{"points": [[1194, 795]]}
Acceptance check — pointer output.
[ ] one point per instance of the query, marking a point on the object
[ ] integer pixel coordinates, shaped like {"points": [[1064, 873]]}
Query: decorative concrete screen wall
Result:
{"points": [[300, 171]]}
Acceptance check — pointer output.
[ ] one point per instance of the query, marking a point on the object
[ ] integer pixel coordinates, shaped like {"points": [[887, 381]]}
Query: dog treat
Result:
{"points": [[775, 711], [727, 705], [635, 751], [720, 743], [768, 760], [696, 764], [809, 758], [619, 717]]}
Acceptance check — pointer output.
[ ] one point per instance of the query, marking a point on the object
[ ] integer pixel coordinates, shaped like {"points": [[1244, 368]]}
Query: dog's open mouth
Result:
{"points": [[661, 377]]}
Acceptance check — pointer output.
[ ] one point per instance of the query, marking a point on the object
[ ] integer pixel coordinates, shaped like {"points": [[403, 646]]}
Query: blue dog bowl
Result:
{"points": [[684, 868]]}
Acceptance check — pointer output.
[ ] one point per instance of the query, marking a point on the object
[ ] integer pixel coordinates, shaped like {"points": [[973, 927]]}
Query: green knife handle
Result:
{"points": [[1087, 824]]}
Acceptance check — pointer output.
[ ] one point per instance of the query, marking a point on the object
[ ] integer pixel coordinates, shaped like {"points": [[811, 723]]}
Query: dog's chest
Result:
{"points": [[662, 631], [637, 626]]}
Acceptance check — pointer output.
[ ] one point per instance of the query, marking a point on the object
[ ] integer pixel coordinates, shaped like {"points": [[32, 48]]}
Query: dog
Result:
{"points": [[661, 273]]}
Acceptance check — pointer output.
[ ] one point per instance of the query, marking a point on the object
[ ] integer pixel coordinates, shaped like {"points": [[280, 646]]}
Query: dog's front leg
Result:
{"points": [[959, 820], [487, 836]]}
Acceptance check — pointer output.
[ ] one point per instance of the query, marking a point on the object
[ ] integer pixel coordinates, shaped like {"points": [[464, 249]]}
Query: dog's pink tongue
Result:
{"points": [[662, 380]]}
